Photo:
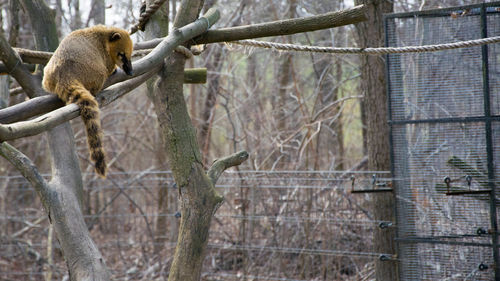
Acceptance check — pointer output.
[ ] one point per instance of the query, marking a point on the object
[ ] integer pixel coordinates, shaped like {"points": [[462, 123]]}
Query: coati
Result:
{"points": [[77, 71]]}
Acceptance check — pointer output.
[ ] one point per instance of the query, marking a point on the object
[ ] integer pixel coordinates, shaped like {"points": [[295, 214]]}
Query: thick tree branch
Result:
{"points": [[115, 91], [284, 27], [5, 70], [328, 20], [30, 57], [152, 61], [40, 124], [54, 118], [27, 169], [30, 108], [48, 102], [275, 28], [220, 165]]}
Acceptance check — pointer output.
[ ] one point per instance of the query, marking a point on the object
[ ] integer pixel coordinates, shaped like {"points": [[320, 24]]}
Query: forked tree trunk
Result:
{"points": [[199, 200]]}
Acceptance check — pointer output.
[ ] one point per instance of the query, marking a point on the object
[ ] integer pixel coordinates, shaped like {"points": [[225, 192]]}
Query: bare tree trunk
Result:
{"points": [[64, 201], [13, 17], [199, 200], [371, 34]]}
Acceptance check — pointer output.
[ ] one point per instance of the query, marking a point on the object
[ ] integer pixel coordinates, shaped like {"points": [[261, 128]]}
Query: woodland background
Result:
{"points": [[295, 113]]}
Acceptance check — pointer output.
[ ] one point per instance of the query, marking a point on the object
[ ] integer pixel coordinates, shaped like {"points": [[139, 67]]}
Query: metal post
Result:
{"points": [[489, 146], [391, 140]]}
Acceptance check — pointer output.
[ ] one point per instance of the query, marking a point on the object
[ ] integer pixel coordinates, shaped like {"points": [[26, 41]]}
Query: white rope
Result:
{"points": [[368, 51]]}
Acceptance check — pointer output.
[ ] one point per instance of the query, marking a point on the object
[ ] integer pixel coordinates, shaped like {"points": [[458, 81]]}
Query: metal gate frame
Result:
{"points": [[487, 119]]}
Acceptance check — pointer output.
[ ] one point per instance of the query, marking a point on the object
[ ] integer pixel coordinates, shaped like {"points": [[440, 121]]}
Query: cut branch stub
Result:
{"points": [[220, 165]]}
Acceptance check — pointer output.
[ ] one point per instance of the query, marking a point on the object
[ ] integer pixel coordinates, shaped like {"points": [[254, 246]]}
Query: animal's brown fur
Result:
{"points": [[77, 71]]}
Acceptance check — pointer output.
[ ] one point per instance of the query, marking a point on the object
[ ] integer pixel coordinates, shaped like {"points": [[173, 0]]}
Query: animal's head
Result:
{"points": [[120, 49]]}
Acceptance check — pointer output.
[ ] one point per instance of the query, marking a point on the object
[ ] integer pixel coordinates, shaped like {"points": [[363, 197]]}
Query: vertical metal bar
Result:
{"points": [[389, 119], [489, 146], [391, 141]]}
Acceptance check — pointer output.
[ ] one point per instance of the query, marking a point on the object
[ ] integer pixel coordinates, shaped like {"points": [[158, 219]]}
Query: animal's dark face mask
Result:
{"points": [[126, 65]]}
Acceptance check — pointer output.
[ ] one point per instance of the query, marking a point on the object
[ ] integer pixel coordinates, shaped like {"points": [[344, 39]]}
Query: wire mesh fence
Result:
{"points": [[444, 113], [272, 226]]}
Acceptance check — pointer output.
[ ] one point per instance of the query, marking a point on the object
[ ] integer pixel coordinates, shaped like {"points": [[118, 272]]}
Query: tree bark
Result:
{"points": [[373, 85], [199, 200], [62, 196]]}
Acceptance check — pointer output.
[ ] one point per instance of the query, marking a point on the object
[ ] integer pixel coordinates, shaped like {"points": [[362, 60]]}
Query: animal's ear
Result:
{"points": [[114, 36]]}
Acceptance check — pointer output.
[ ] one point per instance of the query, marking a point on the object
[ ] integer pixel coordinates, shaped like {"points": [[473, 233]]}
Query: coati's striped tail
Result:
{"points": [[89, 110]]}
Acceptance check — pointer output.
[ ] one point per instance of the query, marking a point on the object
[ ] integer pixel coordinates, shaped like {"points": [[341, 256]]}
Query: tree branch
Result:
{"points": [[153, 60], [27, 169], [116, 91], [167, 46], [40, 124], [30, 108], [220, 165], [282, 27], [17, 69], [48, 102], [54, 118]]}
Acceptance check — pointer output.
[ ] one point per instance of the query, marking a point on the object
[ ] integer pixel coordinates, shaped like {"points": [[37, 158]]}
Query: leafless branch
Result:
{"points": [[220, 165], [27, 169], [15, 67], [68, 112], [275, 28]]}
